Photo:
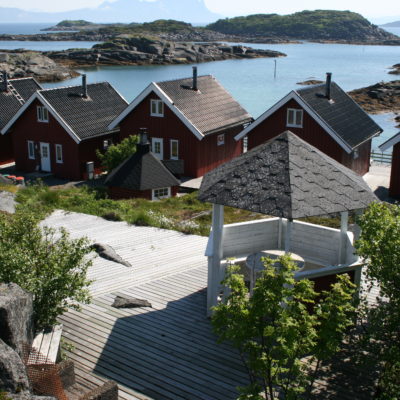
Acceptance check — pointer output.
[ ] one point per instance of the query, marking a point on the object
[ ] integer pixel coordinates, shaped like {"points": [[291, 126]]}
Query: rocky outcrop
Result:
{"points": [[310, 82], [16, 310], [143, 51], [395, 69], [13, 377], [20, 64], [381, 97]]}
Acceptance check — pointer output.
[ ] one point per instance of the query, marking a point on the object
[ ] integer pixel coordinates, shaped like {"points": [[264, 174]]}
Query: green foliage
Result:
{"points": [[379, 246], [318, 24], [71, 23], [44, 262], [275, 328], [117, 153]]}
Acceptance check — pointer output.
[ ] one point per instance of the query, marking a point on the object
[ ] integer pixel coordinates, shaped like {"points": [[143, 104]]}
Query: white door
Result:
{"points": [[45, 157], [157, 147]]}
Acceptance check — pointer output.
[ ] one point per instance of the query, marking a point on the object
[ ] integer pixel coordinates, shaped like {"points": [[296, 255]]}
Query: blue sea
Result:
{"points": [[252, 82]]}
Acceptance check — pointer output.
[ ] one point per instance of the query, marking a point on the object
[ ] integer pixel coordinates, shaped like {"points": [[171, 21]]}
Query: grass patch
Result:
{"points": [[185, 214], [5, 187]]}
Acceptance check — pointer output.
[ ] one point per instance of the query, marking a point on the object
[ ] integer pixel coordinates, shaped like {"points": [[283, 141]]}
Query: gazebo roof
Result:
{"points": [[286, 177]]}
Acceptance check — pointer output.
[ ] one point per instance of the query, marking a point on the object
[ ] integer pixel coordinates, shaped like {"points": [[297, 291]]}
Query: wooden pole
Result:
{"points": [[214, 261], [274, 69]]}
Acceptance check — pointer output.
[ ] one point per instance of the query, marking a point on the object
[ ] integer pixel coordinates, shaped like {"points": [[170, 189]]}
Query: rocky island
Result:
{"points": [[143, 51]]}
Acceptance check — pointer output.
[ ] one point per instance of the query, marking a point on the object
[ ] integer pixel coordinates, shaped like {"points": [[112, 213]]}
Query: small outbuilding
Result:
{"points": [[193, 119], [142, 175], [59, 130], [13, 95], [394, 186], [326, 117], [286, 178]]}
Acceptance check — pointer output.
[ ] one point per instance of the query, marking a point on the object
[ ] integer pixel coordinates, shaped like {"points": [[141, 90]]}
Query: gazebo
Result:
{"points": [[286, 178]]}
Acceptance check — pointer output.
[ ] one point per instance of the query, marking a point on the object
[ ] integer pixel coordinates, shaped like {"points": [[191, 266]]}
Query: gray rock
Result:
{"points": [[27, 396], [16, 311], [129, 302], [7, 202], [13, 377], [107, 252]]}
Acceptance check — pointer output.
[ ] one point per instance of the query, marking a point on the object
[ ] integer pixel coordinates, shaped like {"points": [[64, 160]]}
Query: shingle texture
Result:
{"points": [[9, 104], [286, 177], [210, 108], [142, 171], [89, 116], [350, 122]]}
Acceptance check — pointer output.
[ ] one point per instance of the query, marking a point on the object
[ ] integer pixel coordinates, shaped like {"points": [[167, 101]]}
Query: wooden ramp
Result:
{"points": [[164, 352]]}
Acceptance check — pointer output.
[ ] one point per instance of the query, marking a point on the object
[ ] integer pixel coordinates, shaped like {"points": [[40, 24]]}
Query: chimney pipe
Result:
{"points": [[194, 85], [5, 81], [328, 85], [84, 87]]}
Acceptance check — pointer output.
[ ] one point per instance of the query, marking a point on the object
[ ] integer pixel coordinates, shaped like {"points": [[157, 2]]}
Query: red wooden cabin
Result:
{"points": [[193, 119], [394, 187], [13, 95], [59, 130], [324, 116]]}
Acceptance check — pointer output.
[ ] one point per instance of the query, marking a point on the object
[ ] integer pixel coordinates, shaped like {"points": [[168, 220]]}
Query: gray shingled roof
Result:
{"points": [[286, 177], [350, 122], [210, 108], [90, 116], [141, 171], [9, 104]]}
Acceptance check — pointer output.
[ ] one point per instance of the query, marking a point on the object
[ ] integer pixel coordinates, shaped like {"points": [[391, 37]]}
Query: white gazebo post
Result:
{"points": [[289, 224], [344, 223], [357, 233], [214, 260]]}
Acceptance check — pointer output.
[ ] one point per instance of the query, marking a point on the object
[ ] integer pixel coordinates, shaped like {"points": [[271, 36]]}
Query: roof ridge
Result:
{"points": [[182, 79], [73, 86]]}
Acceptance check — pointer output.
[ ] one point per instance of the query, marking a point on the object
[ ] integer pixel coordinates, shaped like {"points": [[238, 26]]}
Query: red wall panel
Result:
{"points": [[394, 188], [6, 149], [312, 133]]}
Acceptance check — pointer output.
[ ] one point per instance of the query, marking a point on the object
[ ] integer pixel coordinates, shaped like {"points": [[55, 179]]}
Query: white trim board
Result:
{"points": [[390, 142], [294, 96], [52, 111], [153, 87]]}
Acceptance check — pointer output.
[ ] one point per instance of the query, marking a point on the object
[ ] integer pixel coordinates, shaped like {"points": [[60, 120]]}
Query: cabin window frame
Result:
{"points": [[42, 114], [292, 117], [156, 108], [221, 139], [31, 149], [107, 143], [59, 153], [171, 148], [161, 193]]}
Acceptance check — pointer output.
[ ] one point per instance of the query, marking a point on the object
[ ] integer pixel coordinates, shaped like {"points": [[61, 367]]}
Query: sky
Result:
{"points": [[228, 8]]}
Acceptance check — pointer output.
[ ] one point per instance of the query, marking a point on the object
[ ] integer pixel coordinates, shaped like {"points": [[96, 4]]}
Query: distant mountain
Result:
{"points": [[395, 24], [120, 11], [307, 25]]}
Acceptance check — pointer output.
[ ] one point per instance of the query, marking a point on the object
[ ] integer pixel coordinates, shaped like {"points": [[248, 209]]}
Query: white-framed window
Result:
{"points": [[294, 118], [161, 193], [156, 108], [107, 143], [59, 154], [221, 139], [174, 147], [31, 150], [245, 144], [42, 114]]}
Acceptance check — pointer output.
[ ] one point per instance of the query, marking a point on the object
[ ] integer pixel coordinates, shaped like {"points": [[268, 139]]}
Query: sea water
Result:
{"points": [[252, 81]]}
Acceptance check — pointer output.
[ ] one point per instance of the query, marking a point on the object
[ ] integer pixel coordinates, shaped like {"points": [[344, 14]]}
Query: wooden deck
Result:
{"points": [[168, 351]]}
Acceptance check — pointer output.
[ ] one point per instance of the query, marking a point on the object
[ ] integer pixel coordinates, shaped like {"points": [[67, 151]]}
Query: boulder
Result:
{"points": [[16, 312], [13, 376]]}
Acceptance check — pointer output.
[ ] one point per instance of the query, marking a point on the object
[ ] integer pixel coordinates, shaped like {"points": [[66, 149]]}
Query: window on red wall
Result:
{"points": [[31, 150], [42, 114], [221, 139], [294, 118], [174, 149], [156, 108]]}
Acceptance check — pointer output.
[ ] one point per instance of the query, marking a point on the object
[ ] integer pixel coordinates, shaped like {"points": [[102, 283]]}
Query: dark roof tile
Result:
{"points": [[89, 116], [210, 108], [293, 179]]}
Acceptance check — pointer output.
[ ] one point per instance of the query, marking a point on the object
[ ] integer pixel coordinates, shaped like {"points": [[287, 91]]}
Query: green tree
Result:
{"points": [[46, 263], [116, 153], [379, 246], [276, 327]]}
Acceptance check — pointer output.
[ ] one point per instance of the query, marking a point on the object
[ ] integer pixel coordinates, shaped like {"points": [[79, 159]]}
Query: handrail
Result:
{"points": [[381, 157]]}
